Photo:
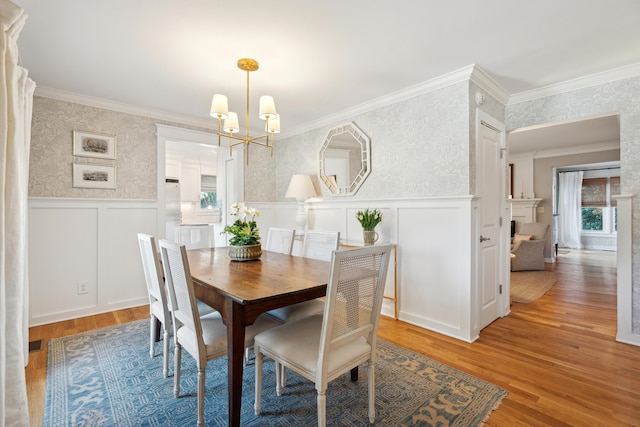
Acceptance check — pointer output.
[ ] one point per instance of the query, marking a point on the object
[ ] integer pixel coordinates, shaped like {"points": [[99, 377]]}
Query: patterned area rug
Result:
{"points": [[106, 378], [528, 286]]}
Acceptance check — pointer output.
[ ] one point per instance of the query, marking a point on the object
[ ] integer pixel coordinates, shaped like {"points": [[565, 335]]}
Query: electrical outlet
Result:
{"points": [[82, 288], [540, 209]]}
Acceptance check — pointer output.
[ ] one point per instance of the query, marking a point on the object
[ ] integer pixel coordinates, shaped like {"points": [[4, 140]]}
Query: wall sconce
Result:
{"points": [[301, 188]]}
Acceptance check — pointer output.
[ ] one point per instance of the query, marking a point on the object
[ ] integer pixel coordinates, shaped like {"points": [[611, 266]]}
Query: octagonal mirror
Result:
{"points": [[345, 159]]}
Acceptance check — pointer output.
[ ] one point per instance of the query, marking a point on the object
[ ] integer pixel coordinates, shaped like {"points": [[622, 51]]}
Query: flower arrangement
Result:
{"points": [[369, 218], [244, 230]]}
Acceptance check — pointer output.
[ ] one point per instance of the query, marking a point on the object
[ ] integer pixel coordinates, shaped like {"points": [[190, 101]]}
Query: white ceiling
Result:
{"points": [[316, 58]]}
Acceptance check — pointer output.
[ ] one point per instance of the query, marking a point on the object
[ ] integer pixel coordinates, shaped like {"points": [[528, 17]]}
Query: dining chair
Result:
{"points": [[158, 308], [323, 347], [280, 240], [317, 245], [203, 337], [158, 300]]}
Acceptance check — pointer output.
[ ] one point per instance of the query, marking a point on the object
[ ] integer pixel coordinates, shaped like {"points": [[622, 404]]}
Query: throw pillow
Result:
{"points": [[518, 237]]}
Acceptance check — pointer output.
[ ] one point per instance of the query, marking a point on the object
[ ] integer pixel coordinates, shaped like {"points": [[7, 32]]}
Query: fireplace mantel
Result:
{"points": [[524, 210]]}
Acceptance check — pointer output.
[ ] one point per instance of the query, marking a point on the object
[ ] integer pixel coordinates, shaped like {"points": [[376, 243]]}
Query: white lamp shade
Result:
{"points": [[231, 123], [219, 107], [267, 107], [273, 125], [300, 187]]}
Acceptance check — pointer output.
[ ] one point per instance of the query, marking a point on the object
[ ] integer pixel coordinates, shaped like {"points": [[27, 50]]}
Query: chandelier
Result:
{"points": [[228, 120]]}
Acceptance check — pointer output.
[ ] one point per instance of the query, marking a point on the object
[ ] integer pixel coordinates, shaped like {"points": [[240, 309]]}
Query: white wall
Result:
{"points": [[87, 242]]}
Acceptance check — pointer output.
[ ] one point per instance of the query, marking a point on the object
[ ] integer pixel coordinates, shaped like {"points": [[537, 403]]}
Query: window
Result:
{"points": [[599, 211], [208, 197]]}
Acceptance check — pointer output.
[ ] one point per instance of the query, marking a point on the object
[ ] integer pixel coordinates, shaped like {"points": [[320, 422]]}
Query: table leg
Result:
{"points": [[354, 374], [158, 327], [235, 353]]}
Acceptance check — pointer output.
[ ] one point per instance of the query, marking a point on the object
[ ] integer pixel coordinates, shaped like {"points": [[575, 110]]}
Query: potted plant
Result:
{"points": [[369, 219], [244, 244]]}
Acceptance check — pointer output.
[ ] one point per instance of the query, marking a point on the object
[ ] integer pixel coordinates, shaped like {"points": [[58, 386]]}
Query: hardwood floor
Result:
{"points": [[557, 356]]}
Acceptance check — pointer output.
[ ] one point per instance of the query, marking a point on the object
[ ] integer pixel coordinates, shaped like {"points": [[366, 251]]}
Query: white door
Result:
{"points": [[491, 193]]}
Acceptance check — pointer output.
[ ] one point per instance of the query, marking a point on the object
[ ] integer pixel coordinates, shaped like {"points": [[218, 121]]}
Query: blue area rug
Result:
{"points": [[105, 377]]}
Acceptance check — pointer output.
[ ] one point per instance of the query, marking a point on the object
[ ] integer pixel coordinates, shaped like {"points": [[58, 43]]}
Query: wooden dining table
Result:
{"points": [[241, 291]]}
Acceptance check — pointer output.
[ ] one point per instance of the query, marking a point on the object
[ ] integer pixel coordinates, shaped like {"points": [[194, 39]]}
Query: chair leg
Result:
{"points": [[176, 371], [165, 355], [152, 335], [322, 408], [201, 378], [372, 392], [279, 369], [283, 377], [258, 397]]}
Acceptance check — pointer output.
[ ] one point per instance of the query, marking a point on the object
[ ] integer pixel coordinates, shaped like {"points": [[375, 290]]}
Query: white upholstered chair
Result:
{"points": [[158, 299], [323, 347], [204, 337], [280, 240], [317, 245], [528, 247]]}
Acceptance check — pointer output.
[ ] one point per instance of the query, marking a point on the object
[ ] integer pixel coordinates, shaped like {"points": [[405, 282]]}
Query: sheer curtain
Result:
{"points": [[16, 99], [569, 208]]}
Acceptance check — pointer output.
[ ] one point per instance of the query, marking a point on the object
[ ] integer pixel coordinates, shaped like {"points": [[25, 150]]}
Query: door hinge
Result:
{"points": [[500, 221], [500, 289]]}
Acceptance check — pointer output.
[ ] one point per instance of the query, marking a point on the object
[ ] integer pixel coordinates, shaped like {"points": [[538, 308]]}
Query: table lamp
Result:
{"points": [[301, 188]]}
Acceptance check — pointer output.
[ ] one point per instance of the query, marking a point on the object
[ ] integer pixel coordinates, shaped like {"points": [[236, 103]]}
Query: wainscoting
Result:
{"points": [[84, 256], [435, 273]]}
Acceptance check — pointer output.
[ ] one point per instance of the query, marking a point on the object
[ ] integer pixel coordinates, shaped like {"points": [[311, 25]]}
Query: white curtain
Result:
{"points": [[16, 100], [570, 210]]}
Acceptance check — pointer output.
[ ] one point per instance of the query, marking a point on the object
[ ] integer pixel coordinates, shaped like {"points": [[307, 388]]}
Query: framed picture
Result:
{"points": [[96, 145], [94, 176]]}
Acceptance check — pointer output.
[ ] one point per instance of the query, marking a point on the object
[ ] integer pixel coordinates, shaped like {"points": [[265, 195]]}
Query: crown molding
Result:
{"points": [[486, 82], [120, 107], [625, 72]]}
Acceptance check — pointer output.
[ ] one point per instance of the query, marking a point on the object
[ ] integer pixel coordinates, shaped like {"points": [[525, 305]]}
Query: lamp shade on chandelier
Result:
{"points": [[228, 120]]}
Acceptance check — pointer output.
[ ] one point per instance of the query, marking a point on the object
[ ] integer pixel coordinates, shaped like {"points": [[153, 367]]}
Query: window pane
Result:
{"points": [[592, 219], [208, 200]]}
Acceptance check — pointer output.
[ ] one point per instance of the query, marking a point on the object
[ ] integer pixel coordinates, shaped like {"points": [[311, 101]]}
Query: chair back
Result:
{"points": [[153, 271], [538, 230], [354, 298], [183, 306], [280, 240], [320, 244]]}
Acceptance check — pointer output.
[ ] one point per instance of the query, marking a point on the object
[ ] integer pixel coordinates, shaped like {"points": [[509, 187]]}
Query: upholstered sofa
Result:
{"points": [[528, 246]]}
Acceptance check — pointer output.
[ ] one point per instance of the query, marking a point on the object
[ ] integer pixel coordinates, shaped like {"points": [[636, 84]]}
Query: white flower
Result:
{"points": [[242, 212]]}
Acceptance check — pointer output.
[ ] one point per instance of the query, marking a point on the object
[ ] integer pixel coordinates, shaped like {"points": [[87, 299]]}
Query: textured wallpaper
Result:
{"points": [[419, 147], [51, 156], [620, 97]]}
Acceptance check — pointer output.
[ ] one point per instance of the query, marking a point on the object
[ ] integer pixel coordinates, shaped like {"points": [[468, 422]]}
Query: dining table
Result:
{"points": [[241, 291]]}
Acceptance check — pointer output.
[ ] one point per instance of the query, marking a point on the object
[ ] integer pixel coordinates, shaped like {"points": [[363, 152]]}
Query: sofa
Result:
{"points": [[527, 248]]}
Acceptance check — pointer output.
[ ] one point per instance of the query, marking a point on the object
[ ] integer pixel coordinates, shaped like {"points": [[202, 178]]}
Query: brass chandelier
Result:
{"points": [[267, 112]]}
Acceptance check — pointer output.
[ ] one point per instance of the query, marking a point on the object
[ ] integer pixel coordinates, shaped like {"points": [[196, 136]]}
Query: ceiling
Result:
{"points": [[316, 58]]}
